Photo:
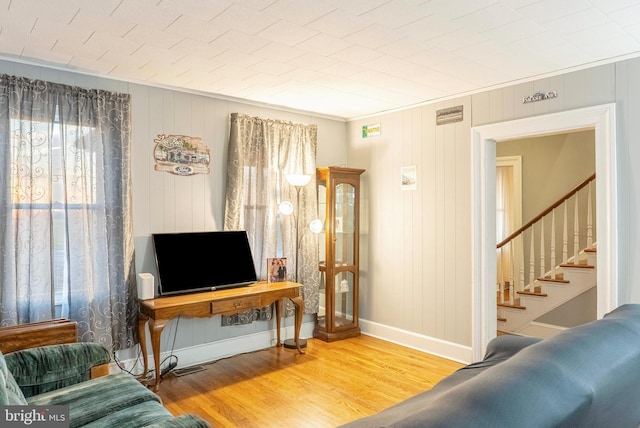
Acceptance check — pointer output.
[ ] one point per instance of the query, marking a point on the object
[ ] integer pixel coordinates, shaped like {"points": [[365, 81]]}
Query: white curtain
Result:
{"points": [[65, 230], [261, 153], [504, 222]]}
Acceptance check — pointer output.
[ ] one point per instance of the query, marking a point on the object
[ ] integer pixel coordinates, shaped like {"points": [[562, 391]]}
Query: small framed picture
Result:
{"points": [[277, 269]]}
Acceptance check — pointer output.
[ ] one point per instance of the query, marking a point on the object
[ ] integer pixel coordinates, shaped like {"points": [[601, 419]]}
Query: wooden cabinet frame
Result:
{"points": [[341, 237]]}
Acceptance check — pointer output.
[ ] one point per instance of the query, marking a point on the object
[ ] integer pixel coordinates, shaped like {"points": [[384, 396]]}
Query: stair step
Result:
{"points": [[556, 280], [537, 291], [533, 293], [540, 300], [516, 305], [581, 265]]}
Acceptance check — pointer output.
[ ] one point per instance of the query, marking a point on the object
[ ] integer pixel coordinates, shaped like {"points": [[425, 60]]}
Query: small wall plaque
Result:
{"points": [[181, 155], [449, 115], [371, 130], [539, 96]]}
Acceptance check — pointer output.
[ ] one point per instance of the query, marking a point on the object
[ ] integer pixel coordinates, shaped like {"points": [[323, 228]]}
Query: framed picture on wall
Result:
{"points": [[408, 177]]}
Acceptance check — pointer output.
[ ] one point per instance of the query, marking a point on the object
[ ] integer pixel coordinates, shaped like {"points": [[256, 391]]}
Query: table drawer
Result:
{"points": [[235, 305]]}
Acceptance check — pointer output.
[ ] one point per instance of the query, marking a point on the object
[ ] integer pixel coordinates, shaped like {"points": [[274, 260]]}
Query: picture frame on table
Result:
{"points": [[276, 269]]}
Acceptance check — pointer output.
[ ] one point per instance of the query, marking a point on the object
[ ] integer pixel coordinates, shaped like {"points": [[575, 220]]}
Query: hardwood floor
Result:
{"points": [[332, 384]]}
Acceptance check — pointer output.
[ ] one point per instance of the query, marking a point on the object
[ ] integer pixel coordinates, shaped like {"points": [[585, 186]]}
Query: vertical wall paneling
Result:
{"points": [[386, 298], [405, 214], [416, 293], [448, 318], [574, 92], [447, 189], [141, 150], [429, 222], [462, 254], [156, 194], [198, 182], [628, 102], [163, 202]]}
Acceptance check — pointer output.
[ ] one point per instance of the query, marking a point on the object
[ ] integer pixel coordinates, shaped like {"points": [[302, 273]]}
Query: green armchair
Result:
{"points": [[65, 374]]}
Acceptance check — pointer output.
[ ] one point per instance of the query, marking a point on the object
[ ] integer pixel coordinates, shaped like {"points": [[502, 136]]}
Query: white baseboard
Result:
{"points": [[441, 348], [207, 352]]}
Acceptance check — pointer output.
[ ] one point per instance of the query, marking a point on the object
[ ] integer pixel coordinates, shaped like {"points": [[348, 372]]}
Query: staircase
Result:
{"points": [[571, 279], [525, 295]]}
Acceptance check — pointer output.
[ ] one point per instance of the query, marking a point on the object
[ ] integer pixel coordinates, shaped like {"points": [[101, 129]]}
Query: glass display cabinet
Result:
{"points": [[339, 209]]}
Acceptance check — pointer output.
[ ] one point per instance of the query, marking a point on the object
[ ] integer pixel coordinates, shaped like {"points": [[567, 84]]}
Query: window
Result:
{"points": [[44, 148], [66, 236]]}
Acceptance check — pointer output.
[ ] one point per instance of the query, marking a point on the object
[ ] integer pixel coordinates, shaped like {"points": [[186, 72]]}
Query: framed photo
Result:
{"points": [[408, 177], [277, 269]]}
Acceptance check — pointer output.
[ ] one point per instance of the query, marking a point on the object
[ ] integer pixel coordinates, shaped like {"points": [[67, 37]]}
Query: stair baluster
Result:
{"points": [[534, 288], [554, 262], [589, 219], [565, 237], [542, 260], [576, 232]]}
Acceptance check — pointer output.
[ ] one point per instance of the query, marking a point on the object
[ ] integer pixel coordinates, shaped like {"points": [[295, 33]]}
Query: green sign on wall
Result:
{"points": [[371, 130]]}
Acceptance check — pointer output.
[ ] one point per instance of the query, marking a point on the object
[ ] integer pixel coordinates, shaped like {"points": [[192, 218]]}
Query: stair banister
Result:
{"points": [[547, 211], [535, 285]]}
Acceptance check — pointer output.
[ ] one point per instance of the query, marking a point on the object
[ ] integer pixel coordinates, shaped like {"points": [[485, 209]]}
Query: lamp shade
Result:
{"points": [[298, 180], [316, 226], [285, 208]]}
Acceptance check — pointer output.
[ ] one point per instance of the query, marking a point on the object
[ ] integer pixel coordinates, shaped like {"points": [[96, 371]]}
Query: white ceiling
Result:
{"points": [[340, 58]]}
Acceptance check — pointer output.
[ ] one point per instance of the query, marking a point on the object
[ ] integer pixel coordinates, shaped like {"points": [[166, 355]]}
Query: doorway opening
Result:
{"points": [[483, 138], [544, 170]]}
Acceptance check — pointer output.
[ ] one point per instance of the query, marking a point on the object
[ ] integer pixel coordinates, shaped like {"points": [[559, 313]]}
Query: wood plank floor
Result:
{"points": [[332, 384]]}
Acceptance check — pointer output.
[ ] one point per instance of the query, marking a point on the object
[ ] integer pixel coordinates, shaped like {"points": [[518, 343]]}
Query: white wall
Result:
{"points": [[163, 202], [415, 245], [416, 277]]}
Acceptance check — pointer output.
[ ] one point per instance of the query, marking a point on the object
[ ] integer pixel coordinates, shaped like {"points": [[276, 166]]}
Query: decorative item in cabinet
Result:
{"points": [[339, 208]]}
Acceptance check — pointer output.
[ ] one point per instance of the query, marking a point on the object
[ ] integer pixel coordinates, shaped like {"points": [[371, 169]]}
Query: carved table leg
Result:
{"points": [[299, 304], [278, 316], [142, 336], [155, 328]]}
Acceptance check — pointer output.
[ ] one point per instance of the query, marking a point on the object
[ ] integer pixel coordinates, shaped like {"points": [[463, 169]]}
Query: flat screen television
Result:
{"points": [[202, 261]]}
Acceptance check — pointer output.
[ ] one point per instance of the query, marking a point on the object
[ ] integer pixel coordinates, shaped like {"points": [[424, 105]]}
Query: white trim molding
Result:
{"points": [[420, 342], [599, 118]]}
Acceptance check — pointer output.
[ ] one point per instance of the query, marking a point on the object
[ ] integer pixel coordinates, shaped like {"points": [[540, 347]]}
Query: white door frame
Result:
{"points": [[483, 235]]}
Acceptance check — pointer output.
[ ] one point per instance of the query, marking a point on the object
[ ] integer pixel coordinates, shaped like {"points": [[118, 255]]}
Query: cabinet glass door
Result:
{"points": [[338, 200], [322, 253], [344, 251]]}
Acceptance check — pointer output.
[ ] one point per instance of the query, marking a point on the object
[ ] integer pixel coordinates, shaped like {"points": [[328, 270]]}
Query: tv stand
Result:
{"points": [[158, 312]]}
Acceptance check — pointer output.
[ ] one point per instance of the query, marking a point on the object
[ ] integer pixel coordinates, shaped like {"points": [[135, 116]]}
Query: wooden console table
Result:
{"points": [[157, 312]]}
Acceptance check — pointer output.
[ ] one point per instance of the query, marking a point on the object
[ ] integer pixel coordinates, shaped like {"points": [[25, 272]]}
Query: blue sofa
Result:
{"points": [[61, 374], [586, 376]]}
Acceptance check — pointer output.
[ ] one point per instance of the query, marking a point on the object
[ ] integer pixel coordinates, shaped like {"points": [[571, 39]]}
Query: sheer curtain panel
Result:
{"points": [[261, 153], [66, 229], [504, 222]]}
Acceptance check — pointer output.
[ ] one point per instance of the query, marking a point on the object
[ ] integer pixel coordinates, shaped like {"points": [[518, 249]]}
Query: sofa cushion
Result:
{"points": [[586, 377], [498, 350], [47, 368], [95, 399], [135, 416], [10, 393]]}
